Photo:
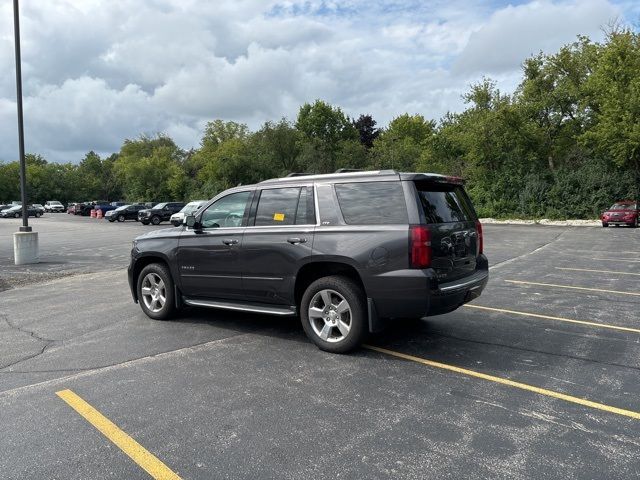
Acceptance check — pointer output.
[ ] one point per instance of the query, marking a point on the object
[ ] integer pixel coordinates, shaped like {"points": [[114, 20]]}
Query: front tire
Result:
{"points": [[333, 314], [605, 224], [155, 220], [121, 218], [156, 292]]}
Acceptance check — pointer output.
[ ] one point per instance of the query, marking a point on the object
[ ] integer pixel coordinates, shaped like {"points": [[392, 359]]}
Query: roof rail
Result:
{"points": [[347, 174], [348, 170]]}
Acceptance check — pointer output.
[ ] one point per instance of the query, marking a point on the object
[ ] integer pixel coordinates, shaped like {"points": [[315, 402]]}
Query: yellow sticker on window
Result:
{"points": [[278, 217]]}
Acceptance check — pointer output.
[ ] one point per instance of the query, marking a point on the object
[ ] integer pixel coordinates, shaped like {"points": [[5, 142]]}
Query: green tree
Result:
{"points": [[151, 169], [400, 146], [323, 128], [614, 99]]}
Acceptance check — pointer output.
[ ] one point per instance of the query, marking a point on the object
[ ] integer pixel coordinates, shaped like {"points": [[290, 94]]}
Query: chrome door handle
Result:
{"points": [[295, 240], [230, 241]]}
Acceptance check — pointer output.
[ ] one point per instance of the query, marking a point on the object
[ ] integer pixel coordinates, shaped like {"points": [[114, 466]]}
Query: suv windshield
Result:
{"points": [[444, 203], [160, 206]]}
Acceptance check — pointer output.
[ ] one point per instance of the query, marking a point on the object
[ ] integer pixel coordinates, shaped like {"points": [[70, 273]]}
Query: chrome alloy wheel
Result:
{"points": [[153, 292], [330, 315]]}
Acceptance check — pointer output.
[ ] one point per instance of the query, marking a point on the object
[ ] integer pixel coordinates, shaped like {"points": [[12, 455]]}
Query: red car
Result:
{"points": [[624, 212]]}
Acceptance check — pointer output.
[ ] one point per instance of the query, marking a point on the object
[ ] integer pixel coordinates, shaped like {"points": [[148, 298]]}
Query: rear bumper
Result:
{"points": [[450, 296], [416, 293]]}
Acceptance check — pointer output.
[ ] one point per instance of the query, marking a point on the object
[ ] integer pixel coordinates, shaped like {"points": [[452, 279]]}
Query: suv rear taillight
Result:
{"points": [[419, 246], [480, 237]]}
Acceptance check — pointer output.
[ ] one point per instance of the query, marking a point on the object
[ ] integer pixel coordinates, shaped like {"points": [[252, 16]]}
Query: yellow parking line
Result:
{"points": [[632, 260], [597, 271], [549, 317], [151, 464], [637, 294], [510, 383]]}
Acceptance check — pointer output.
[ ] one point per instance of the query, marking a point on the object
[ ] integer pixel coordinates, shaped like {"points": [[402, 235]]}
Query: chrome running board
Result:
{"points": [[242, 307]]}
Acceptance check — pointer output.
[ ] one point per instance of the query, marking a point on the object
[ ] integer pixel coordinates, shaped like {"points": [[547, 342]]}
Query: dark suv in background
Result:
{"points": [[346, 252], [159, 213]]}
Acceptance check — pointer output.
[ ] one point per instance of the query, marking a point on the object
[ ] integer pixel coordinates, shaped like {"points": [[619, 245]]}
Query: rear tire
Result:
{"points": [[38, 214], [16, 215], [155, 292], [605, 224], [334, 315]]}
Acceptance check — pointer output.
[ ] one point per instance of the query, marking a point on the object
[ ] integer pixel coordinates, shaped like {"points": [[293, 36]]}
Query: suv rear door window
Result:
{"points": [[442, 203], [372, 203], [277, 207]]}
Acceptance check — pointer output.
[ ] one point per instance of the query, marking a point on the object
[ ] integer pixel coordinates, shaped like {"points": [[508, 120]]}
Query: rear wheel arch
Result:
{"points": [[310, 272]]}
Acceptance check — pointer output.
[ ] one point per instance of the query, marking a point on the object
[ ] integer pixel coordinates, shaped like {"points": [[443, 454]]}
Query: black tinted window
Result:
{"points": [[444, 203], [372, 203], [306, 209], [277, 206]]}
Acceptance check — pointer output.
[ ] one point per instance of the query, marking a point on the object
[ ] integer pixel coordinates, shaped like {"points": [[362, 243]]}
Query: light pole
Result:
{"points": [[25, 242]]}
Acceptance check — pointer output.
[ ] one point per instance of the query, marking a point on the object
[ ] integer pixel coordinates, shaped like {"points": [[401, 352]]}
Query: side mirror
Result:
{"points": [[190, 221]]}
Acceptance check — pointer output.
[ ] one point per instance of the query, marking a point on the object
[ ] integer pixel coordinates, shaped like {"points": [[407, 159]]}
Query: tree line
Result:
{"points": [[565, 143]]}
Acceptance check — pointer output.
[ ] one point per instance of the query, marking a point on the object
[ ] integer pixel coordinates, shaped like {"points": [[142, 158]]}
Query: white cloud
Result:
{"points": [[516, 32], [97, 72]]}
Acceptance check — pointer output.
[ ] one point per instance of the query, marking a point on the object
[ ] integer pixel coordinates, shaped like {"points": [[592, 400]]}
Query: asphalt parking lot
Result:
{"points": [[539, 377]]}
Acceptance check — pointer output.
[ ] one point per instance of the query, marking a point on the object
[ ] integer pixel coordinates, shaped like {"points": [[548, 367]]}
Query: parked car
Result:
{"points": [[39, 207], [346, 252], [16, 212], [160, 213], [54, 206], [71, 208], [125, 212], [178, 218], [107, 206], [83, 209], [625, 212]]}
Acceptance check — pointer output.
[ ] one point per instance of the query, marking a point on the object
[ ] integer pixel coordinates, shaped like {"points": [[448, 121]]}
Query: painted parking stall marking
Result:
{"points": [[597, 271], [145, 459], [549, 317], [626, 260], [555, 285], [508, 382]]}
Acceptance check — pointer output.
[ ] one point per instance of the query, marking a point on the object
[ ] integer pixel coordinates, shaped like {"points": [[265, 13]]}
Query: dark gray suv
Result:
{"points": [[347, 252]]}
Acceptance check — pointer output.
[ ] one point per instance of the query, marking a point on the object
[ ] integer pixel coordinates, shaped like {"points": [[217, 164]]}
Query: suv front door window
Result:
{"points": [[226, 212]]}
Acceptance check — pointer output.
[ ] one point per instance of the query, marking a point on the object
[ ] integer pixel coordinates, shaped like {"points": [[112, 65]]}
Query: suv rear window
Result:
{"points": [[372, 203], [442, 203]]}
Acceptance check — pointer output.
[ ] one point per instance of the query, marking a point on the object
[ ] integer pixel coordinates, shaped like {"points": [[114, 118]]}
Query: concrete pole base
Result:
{"points": [[25, 248]]}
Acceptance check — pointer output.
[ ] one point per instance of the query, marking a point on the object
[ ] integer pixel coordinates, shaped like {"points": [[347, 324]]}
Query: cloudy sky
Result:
{"points": [[96, 72]]}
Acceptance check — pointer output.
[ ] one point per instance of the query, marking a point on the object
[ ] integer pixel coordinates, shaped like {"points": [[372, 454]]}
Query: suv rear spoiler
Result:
{"points": [[432, 177]]}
